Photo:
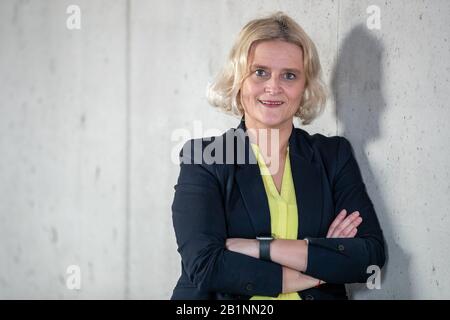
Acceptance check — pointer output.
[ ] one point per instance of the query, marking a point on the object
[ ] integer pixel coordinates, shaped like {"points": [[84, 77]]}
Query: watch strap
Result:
{"points": [[264, 249]]}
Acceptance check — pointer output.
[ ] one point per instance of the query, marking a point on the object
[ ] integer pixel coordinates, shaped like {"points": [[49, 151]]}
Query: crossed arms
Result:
{"points": [[215, 263], [292, 255]]}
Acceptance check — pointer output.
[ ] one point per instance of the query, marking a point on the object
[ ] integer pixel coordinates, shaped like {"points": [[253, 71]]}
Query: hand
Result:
{"points": [[249, 247], [294, 281], [344, 227]]}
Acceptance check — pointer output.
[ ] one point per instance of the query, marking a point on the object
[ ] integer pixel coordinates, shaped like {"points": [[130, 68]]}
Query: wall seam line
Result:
{"points": [[337, 67], [127, 151]]}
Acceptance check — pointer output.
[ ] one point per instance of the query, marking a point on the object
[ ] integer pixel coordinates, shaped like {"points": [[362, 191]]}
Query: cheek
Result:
{"points": [[296, 92], [250, 90], [246, 96]]}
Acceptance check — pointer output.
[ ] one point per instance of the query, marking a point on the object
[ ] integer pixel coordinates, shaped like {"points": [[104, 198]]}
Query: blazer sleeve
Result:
{"points": [[345, 260], [200, 228]]}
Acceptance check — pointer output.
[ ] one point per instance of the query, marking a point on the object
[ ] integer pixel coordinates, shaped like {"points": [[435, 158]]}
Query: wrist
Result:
{"points": [[306, 254], [255, 248]]}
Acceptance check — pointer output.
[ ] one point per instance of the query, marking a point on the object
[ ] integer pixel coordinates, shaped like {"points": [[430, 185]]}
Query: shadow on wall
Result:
{"points": [[357, 89]]}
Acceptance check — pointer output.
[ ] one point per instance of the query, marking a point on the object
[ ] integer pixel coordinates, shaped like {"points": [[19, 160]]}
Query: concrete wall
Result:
{"points": [[90, 120]]}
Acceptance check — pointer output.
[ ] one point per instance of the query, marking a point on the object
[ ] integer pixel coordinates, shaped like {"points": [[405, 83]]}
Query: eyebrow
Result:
{"points": [[260, 66]]}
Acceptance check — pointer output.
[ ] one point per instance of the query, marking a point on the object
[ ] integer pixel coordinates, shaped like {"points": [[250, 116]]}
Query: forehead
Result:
{"points": [[276, 54]]}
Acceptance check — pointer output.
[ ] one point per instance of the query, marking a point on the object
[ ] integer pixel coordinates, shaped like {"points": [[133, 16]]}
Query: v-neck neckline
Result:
{"points": [[271, 183]]}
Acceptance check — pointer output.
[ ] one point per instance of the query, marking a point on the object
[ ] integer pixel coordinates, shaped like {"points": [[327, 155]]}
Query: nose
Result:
{"points": [[273, 86]]}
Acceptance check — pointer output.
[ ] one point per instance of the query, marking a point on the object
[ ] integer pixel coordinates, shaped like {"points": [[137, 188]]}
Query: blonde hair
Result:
{"points": [[224, 92]]}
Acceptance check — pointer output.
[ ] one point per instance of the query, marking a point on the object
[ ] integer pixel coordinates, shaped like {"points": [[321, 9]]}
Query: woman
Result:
{"points": [[267, 211]]}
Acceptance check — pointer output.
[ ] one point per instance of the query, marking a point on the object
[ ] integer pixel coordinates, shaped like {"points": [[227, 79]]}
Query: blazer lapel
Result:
{"points": [[251, 186], [307, 184]]}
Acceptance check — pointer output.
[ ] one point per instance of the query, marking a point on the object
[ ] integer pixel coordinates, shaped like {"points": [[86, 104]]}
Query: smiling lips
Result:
{"points": [[271, 103]]}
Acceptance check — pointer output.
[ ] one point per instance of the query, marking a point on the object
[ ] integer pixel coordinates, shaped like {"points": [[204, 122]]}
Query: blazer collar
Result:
{"points": [[307, 184], [298, 142]]}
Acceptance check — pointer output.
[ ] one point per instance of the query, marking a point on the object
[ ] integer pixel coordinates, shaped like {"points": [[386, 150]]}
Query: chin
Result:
{"points": [[272, 121]]}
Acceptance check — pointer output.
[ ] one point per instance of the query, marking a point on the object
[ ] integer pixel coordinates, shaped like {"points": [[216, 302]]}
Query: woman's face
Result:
{"points": [[273, 91]]}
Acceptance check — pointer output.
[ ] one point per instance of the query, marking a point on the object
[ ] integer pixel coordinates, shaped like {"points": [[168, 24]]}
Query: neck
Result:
{"points": [[272, 140]]}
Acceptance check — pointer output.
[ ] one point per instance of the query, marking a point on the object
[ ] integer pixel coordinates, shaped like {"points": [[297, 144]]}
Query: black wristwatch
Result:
{"points": [[264, 247]]}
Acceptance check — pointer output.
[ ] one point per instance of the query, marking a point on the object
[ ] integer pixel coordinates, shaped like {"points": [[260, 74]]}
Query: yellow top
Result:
{"points": [[283, 210]]}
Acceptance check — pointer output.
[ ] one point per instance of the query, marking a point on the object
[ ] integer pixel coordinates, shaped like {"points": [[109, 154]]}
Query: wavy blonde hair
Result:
{"points": [[224, 92]]}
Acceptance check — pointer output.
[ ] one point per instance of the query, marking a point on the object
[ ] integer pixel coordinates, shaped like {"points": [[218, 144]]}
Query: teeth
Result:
{"points": [[272, 102]]}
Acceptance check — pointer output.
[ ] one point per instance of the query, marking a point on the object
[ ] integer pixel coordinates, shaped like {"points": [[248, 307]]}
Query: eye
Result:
{"points": [[290, 76], [260, 73]]}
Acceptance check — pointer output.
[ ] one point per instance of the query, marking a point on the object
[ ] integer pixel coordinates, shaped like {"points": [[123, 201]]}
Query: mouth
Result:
{"points": [[271, 103]]}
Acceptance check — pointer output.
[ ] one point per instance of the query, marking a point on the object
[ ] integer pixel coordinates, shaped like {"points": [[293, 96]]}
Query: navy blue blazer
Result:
{"points": [[216, 200]]}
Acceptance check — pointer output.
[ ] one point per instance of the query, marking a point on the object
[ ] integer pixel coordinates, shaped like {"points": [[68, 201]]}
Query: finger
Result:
{"points": [[339, 218], [346, 225], [337, 222], [353, 233], [355, 223], [351, 226], [338, 231]]}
